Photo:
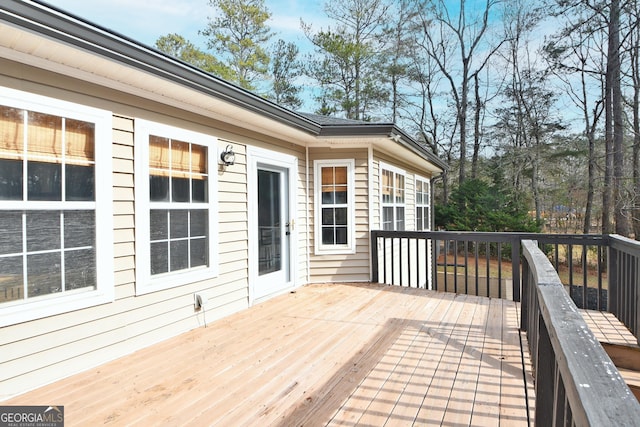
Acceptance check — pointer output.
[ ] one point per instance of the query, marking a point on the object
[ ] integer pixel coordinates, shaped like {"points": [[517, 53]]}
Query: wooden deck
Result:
{"points": [[339, 355]]}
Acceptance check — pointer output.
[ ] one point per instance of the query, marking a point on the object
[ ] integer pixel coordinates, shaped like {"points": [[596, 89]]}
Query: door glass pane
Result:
{"points": [[269, 223]]}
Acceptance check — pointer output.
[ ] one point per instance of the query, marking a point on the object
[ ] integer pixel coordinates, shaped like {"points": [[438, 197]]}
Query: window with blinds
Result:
{"points": [[334, 185], [423, 204], [48, 205], [392, 189], [177, 184]]}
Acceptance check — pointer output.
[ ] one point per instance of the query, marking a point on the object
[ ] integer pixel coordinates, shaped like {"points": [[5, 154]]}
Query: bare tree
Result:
{"points": [[579, 51], [463, 35]]}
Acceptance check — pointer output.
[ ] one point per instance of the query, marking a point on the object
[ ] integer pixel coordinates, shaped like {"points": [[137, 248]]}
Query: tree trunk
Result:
{"points": [[608, 200], [476, 134], [620, 216], [635, 74]]}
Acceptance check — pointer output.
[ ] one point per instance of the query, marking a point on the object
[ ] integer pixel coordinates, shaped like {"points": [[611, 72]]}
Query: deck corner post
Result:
{"points": [[374, 256], [515, 268]]}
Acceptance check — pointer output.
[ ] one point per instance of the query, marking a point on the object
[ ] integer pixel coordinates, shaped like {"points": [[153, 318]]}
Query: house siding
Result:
{"points": [[44, 350], [339, 267]]}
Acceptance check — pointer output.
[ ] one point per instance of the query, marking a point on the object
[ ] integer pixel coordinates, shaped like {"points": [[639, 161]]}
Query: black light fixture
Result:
{"points": [[228, 157]]}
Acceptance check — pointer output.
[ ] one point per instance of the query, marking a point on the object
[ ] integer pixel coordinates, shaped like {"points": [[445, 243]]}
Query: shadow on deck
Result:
{"points": [[325, 355]]}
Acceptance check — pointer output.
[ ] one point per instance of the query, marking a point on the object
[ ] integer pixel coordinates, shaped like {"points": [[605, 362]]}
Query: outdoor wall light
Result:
{"points": [[228, 157]]}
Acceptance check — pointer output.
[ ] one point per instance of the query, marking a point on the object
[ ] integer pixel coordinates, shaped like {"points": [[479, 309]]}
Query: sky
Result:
{"points": [[145, 21]]}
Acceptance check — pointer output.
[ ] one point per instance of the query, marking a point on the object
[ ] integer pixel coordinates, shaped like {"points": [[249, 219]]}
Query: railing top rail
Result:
{"points": [[482, 236], [592, 382], [625, 244]]}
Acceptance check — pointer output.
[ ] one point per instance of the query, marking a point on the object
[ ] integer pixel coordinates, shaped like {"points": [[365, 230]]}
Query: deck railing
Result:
{"points": [[576, 381], [552, 275], [624, 275], [600, 272]]}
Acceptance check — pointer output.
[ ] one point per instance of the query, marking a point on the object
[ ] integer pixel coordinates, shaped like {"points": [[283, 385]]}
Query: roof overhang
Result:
{"points": [[37, 34]]}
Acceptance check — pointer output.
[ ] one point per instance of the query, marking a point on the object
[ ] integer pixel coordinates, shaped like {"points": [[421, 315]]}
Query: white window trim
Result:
{"points": [[145, 283], [393, 204], [350, 247], [50, 305], [418, 178]]}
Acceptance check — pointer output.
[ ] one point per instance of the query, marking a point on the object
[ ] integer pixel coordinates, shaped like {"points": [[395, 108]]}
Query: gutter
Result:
{"points": [[45, 19]]}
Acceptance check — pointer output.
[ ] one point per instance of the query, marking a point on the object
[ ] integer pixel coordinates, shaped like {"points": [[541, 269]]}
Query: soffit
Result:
{"points": [[31, 49]]}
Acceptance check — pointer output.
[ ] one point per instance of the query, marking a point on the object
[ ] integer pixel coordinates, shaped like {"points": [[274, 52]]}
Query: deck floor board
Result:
{"points": [[329, 354]]}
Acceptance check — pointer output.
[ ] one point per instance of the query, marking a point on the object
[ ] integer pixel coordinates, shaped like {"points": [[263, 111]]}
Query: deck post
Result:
{"points": [[374, 256], [515, 268]]}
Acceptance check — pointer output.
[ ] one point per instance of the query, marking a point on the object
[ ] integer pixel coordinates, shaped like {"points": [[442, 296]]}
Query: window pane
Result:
{"points": [[341, 195], [328, 237], [340, 175], [44, 274], [198, 159], [44, 181], [180, 156], [44, 136], [199, 190], [79, 183], [341, 235], [419, 220], [158, 153], [399, 188], [79, 269], [11, 280], [159, 257], [199, 252], [327, 216], [79, 229], [159, 188], [79, 141], [341, 216], [159, 224], [179, 255], [11, 132], [10, 233], [43, 231], [387, 189], [387, 218], [179, 224], [11, 179], [180, 190], [327, 176], [328, 197], [399, 219], [199, 221]]}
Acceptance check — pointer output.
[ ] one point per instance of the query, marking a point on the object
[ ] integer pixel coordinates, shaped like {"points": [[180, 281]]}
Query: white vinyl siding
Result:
{"points": [[176, 224], [55, 207]]}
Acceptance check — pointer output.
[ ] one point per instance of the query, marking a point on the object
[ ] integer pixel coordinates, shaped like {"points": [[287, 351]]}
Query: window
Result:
{"points": [[423, 204], [54, 191], [334, 184], [393, 200], [175, 192]]}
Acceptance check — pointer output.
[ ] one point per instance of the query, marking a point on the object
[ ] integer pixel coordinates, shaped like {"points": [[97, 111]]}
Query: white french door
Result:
{"points": [[271, 222]]}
